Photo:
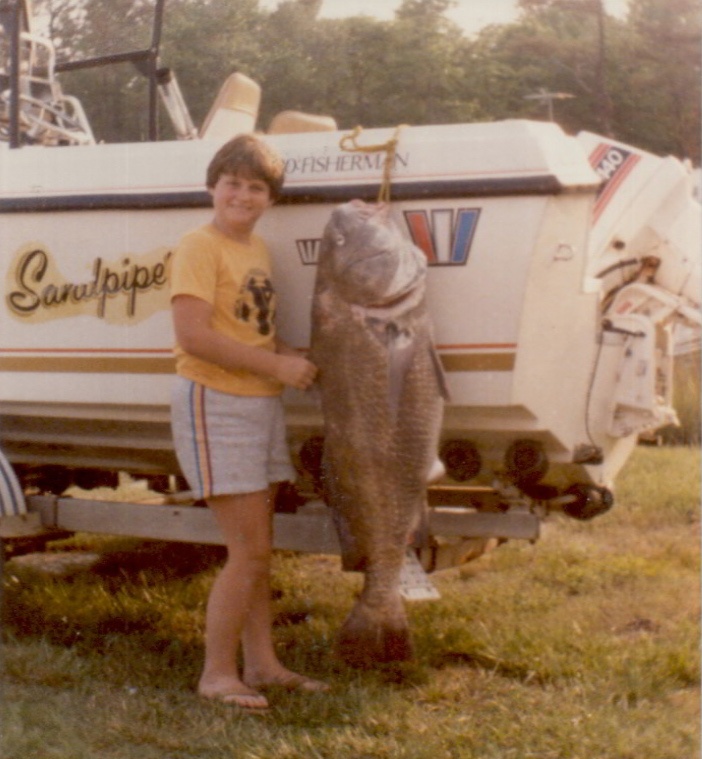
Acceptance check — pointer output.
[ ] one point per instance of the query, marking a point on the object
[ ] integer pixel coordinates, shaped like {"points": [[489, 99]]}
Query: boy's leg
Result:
{"points": [[261, 664], [245, 522], [239, 606], [260, 658]]}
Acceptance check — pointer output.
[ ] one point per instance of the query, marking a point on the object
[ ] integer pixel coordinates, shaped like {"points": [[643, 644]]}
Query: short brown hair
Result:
{"points": [[248, 154]]}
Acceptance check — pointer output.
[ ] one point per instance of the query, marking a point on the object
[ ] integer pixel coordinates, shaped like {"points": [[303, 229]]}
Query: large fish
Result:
{"points": [[382, 399]]}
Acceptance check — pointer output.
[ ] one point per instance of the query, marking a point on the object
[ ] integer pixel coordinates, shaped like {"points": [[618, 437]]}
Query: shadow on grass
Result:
{"points": [[48, 598], [157, 562], [143, 603], [485, 663]]}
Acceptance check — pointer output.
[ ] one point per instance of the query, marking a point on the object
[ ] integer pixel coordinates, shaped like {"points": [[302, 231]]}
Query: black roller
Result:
{"points": [[588, 501], [526, 462], [461, 459]]}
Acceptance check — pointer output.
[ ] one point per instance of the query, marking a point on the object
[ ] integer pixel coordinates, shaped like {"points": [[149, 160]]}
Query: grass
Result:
{"points": [[686, 400], [582, 646]]}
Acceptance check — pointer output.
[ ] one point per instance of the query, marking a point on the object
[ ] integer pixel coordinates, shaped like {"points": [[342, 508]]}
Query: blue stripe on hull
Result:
{"points": [[545, 184]]}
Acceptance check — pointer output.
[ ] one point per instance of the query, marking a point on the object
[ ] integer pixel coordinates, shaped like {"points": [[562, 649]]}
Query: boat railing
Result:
{"points": [[33, 108]]}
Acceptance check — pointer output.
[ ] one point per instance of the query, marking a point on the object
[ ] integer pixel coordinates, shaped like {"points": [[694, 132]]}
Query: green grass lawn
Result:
{"points": [[582, 646]]}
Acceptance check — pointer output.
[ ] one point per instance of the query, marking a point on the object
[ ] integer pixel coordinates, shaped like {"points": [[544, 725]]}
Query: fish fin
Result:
{"points": [[370, 636], [419, 537], [440, 375], [352, 558], [401, 352]]}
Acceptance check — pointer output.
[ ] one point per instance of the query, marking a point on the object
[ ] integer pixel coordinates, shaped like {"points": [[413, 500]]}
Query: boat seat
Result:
{"points": [[234, 110], [288, 122]]}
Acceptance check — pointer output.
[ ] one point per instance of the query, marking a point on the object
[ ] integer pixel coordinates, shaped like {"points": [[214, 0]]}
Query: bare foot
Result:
{"points": [[286, 679], [234, 692]]}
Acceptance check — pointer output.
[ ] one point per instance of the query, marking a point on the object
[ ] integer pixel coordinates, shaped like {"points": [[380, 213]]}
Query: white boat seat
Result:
{"points": [[234, 110], [288, 122]]}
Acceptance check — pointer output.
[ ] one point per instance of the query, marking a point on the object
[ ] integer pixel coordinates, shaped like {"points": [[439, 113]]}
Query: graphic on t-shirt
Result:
{"points": [[255, 303]]}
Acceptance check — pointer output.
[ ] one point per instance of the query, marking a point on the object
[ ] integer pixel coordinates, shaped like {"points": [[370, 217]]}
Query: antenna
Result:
{"points": [[547, 98]]}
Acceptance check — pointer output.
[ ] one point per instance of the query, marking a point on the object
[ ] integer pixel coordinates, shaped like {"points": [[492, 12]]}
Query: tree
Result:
{"points": [[115, 96], [112, 96], [288, 70], [352, 84], [426, 78], [626, 83], [204, 41], [637, 78], [560, 46], [663, 102]]}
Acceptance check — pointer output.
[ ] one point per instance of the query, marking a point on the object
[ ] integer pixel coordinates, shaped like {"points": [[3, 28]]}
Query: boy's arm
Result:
{"points": [[284, 349], [192, 322]]}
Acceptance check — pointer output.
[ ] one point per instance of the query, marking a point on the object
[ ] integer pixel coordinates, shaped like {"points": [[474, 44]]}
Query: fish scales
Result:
{"points": [[382, 406]]}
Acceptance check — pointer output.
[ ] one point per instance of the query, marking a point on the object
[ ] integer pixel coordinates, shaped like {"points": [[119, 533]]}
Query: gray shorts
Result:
{"points": [[228, 444]]}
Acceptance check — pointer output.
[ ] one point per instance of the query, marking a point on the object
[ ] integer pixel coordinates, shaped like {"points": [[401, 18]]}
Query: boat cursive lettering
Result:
{"points": [[36, 291]]}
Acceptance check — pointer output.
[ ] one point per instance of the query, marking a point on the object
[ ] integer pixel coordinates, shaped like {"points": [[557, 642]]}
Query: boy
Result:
{"points": [[227, 414]]}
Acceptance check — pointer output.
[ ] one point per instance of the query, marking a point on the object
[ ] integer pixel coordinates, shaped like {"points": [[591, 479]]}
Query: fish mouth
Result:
{"points": [[392, 296], [394, 299], [366, 259]]}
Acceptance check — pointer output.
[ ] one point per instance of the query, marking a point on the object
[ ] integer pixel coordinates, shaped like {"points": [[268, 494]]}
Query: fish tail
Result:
{"points": [[368, 638]]}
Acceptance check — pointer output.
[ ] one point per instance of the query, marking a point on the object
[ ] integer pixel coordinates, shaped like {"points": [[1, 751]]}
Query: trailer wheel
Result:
{"points": [[461, 459], [526, 462]]}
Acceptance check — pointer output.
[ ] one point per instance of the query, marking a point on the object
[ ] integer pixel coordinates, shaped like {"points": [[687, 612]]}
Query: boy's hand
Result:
{"points": [[296, 371]]}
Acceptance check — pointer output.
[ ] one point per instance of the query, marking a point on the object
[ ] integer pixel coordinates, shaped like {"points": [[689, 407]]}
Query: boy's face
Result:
{"points": [[239, 200]]}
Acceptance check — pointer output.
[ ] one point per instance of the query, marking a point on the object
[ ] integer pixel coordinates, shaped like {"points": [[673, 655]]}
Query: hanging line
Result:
{"points": [[349, 142]]}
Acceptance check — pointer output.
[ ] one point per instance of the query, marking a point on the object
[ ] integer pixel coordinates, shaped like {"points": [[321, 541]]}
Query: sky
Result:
{"points": [[470, 15]]}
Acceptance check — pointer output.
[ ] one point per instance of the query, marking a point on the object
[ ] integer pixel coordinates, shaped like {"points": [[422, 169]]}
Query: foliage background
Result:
{"points": [[635, 79]]}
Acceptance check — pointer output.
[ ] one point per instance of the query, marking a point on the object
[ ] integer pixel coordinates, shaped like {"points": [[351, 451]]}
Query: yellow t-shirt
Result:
{"points": [[236, 279]]}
